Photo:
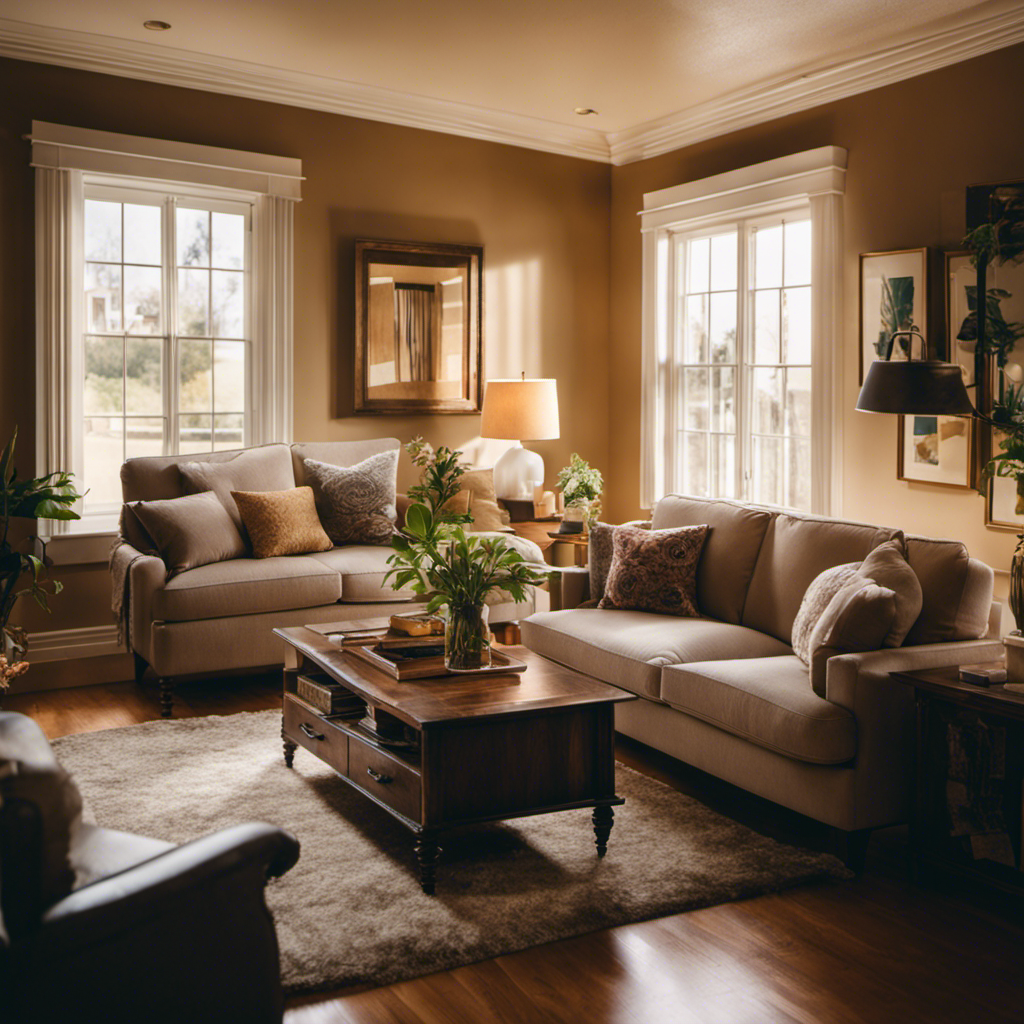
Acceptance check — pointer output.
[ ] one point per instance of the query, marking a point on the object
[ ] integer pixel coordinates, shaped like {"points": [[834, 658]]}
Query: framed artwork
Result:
{"points": [[893, 295], [961, 286], [936, 450]]}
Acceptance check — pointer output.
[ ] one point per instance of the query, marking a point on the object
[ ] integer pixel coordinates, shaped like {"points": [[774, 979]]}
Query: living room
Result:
{"points": [[905, 118]]}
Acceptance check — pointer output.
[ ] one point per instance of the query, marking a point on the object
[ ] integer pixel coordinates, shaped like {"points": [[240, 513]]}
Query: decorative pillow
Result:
{"points": [[600, 549], [858, 618], [190, 531], [282, 522], [267, 468], [817, 597], [655, 570], [356, 503], [487, 514], [887, 566], [30, 772]]}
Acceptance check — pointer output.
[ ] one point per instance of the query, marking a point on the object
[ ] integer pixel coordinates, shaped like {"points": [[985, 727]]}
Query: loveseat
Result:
{"points": [[725, 692], [219, 617]]}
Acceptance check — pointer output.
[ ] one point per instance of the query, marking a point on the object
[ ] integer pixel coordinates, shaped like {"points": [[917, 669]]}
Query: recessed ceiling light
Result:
{"points": [[156, 26], [583, 111]]}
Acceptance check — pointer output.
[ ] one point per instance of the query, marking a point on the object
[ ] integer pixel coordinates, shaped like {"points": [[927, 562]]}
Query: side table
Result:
{"points": [[967, 819], [544, 533]]}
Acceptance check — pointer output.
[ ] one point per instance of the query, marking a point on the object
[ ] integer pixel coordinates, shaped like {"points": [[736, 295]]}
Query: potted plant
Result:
{"points": [[454, 571], [581, 487], [47, 497]]}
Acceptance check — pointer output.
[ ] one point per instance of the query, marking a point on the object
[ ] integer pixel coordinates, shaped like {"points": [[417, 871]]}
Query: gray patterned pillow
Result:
{"points": [[655, 570], [356, 504]]}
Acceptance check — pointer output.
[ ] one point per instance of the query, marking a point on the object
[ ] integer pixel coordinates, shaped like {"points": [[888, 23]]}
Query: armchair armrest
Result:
{"points": [[147, 574], [113, 905]]}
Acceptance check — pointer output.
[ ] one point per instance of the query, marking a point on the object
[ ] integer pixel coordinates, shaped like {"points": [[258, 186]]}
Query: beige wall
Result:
{"points": [[542, 219], [913, 147]]}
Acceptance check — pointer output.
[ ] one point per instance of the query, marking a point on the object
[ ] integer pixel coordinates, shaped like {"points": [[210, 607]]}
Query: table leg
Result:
{"points": [[426, 853], [602, 819], [289, 749]]}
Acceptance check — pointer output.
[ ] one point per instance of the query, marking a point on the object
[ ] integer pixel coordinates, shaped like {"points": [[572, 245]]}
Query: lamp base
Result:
{"points": [[516, 473]]}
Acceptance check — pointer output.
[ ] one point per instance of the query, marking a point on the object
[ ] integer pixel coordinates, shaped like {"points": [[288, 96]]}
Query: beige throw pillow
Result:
{"points": [[487, 514], [282, 522], [655, 570], [190, 531], [888, 568], [819, 594], [267, 468], [858, 618]]}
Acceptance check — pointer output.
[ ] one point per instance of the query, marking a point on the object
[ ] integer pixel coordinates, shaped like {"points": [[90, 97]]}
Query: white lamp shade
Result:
{"points": [[521, 410]]}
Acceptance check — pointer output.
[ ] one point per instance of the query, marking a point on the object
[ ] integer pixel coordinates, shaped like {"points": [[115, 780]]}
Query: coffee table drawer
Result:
{"points": [[317, 735], [385, 777]]}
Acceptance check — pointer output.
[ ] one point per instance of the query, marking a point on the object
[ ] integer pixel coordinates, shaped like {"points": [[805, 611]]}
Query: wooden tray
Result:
{"points": [[431, 668]]}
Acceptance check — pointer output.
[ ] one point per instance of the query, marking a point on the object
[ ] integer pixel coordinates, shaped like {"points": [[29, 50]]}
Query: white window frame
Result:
{"points": [[67, 160], [814, 179]]}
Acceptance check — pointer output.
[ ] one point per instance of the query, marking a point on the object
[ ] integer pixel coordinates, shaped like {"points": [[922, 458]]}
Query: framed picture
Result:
{"points": [[893, 296], [961, 286], [936, 450], [1004, 313]]}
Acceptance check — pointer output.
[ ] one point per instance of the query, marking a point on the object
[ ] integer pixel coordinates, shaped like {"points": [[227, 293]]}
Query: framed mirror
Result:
{"points": [[419, 327]]}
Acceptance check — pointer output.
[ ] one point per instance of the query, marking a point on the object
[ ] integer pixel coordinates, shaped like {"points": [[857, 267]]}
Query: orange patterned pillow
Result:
{"points": [[655, 570], [281, 522]]}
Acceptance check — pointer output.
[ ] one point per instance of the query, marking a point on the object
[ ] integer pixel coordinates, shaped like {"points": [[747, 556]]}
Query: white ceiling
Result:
{"points": [[521, 65]]}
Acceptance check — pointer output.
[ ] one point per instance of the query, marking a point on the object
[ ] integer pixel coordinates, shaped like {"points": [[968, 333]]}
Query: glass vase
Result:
{"points": [[467, 638]]}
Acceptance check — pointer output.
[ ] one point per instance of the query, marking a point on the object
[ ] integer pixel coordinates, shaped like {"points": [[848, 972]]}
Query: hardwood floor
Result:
{"points": [[868, 951]]}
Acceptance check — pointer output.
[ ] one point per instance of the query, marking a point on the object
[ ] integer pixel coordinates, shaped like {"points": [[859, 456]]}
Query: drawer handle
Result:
{"points": [[377, 777], [310, 733]]}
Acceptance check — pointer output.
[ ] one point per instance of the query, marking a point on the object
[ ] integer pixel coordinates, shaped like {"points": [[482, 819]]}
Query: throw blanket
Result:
{"points": [[122, 555]]}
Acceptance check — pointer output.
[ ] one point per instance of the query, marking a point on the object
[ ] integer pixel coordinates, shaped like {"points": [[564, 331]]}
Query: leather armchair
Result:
{"points": [[157, 933]]}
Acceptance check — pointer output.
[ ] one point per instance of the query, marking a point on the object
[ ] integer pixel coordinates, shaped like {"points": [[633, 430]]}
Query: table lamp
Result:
{"points": [[520, 410]]}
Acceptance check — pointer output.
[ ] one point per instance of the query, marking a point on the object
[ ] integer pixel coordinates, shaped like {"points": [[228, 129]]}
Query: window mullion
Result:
{"points": [[170, 328], [744, 354]]}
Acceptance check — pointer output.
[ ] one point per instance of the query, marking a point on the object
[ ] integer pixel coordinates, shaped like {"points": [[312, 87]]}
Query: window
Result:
{"points": [[741, 306], [166, 288], [743, 351], [163, 306]]}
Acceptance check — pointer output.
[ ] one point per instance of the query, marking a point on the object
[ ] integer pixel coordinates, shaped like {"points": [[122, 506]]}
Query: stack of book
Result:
{"points": [[329, 697]]}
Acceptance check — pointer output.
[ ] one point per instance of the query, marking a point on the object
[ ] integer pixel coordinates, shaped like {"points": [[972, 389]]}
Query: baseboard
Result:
{"points": [[64, 644]]}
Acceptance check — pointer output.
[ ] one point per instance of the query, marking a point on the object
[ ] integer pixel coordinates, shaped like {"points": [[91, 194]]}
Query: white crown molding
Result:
{"points": [[110, 56], [972, 36], [975, 33]]}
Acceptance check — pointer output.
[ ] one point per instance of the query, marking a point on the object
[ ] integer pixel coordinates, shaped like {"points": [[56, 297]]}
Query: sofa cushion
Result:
{"points": [[356, 503], [101, 852], [797, 548], [245, 586], [766, 701], [361, 568], [735, 535], [819, 595], [189, 531], [486, 514], [29, 773], [629, 649], [281, 522], [957, 592], [268, 468], [337, 453], [888, 567], [655, 570]]}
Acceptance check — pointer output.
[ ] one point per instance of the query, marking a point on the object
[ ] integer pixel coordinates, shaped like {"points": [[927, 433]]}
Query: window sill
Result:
{"points": [[88, 545]]}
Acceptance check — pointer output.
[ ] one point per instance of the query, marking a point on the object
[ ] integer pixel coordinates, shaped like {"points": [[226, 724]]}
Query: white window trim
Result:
{"points": [[816, 177], [64, 157]]}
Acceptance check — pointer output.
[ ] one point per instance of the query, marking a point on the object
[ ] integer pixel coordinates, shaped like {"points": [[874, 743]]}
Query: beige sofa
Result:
{"points": [[219, 618], [726, 693]]}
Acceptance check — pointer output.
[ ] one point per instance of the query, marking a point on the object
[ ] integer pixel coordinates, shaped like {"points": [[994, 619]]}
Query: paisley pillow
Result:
{"points": [[655, 570], [356, 504]]}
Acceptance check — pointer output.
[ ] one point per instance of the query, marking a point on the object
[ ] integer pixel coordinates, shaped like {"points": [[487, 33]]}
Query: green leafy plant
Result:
{"points": [[47, 497], [1001, 337], [1008, 418], [436, 558], [581, 487]]}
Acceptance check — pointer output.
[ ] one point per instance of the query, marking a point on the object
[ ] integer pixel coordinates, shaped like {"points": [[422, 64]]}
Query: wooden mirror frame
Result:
{"points": [[370, 251]]}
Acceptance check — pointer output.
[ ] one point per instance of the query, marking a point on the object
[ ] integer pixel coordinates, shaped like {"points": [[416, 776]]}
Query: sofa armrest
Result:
{"points": [[846, 672], [113, 905], [146, 577]]}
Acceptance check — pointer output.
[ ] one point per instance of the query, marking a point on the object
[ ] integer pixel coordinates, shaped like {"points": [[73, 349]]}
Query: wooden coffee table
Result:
{"points": [[480, 748]]}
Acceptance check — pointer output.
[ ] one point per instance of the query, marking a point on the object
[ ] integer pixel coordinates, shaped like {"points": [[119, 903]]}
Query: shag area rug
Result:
{"points": [[351, 911]]}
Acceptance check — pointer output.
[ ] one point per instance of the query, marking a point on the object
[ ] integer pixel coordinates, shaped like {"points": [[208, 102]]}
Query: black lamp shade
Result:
{"points": [[917, 387]]}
